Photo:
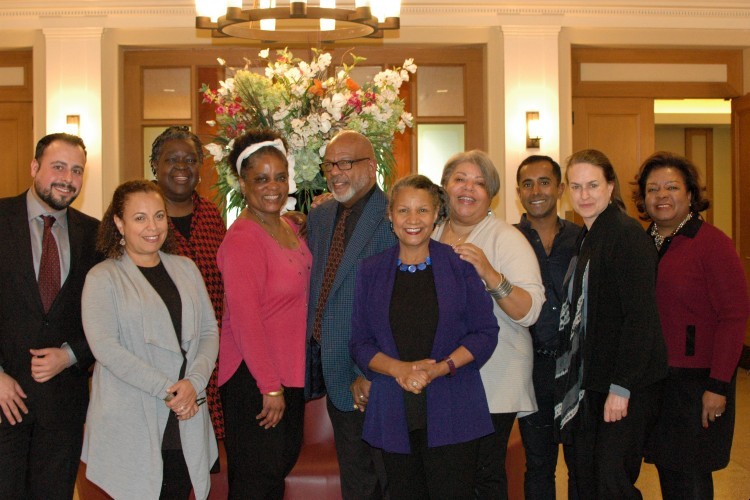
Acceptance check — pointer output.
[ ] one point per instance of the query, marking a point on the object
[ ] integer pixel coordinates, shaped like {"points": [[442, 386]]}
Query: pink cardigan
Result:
{"points": [[266, 291]]}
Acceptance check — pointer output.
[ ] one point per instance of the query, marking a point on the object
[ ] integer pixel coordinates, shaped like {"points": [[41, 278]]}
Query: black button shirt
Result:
{"points": [[553, 268]]}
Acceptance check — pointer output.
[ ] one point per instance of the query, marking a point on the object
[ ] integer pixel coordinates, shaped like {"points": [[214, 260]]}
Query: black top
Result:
{"points": [[414, 320], [182, 224], [553, 268], [357, 209], [158, 277]]}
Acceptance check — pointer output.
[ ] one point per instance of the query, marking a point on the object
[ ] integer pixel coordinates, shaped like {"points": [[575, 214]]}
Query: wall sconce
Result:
{"points": [[73, 124], [533, 129]]}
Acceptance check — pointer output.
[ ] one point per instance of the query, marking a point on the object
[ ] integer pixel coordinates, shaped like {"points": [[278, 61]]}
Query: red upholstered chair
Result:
{"points": [[316, 474]]}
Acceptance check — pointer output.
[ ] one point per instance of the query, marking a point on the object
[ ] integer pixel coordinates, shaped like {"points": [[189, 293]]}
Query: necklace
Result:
{"points": [[413, 268], [268, 228], [460, 239], [659, 239]]}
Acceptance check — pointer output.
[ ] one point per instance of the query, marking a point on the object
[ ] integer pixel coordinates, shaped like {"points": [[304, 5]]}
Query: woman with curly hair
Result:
{"points": [[703, 305], [151, 327], [266, 269]]}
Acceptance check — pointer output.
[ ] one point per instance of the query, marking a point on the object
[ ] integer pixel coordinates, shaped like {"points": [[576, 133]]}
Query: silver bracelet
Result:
{"points": [[502, 290]]}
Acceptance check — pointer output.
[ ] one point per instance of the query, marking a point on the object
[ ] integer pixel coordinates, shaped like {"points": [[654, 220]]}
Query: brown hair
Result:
{"points": [[108, 238], [600, 160]]}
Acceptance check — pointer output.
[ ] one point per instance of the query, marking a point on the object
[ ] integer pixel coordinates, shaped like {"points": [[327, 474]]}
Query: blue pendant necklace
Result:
{"points": [[413, 268]]}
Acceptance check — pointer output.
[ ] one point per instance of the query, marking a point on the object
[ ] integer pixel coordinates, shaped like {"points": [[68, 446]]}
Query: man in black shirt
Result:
{"points": [[539, 187]]}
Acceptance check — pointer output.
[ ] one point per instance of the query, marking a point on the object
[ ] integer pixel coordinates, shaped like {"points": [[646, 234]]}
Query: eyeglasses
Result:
{"points": [[327, 166]]}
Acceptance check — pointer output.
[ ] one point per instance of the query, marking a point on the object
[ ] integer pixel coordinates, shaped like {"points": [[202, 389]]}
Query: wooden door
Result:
{"points": [[621, 128], [16, 147], [741, 181]]}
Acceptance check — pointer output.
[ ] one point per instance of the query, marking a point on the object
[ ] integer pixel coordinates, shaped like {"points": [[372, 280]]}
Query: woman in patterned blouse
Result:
{"points": [[176, 159]]}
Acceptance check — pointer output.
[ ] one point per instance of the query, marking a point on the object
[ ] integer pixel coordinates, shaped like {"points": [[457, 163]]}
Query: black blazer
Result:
{"points": [[61, 401], [624, 343]]}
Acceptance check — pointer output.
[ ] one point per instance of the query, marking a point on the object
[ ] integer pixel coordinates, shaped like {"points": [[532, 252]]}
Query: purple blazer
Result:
{"points": [[457, 408]]}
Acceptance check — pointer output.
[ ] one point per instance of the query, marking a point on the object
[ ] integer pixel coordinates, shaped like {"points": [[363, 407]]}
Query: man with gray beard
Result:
{"points": [[341, 232]]}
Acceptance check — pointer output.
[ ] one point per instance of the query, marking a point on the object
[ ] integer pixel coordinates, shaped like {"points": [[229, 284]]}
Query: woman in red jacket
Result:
{"points": [[703, 305]]}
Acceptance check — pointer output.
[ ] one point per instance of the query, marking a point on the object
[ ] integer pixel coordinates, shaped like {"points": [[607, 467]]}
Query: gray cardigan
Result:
{"points": [[138, 357]]}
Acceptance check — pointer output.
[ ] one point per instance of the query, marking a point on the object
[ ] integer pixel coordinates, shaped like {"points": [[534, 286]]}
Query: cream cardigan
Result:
{"points": [[507, 375]]}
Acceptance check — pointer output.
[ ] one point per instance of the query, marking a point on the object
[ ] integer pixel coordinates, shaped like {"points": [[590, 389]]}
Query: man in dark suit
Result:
{"points": [[341, 232], [44, 357]]}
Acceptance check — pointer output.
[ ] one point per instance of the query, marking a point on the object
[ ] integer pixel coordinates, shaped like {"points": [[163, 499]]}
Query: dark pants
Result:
{"points": [[175, 482], [362, 472], [259, 459], [537, 433], [38, 463], [492, 480], [685, 485], [443, 472], [608, 455]]}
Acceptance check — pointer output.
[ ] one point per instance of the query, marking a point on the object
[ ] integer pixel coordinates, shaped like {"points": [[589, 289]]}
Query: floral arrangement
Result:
{"points": [[308, 108]]}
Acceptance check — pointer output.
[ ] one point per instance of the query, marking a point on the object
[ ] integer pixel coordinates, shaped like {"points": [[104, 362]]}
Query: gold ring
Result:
{"points": [[361, 397], [356, 406], [414, 383]]}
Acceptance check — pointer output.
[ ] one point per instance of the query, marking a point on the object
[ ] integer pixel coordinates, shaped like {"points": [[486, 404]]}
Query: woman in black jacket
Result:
{"points": [[612, 355]]}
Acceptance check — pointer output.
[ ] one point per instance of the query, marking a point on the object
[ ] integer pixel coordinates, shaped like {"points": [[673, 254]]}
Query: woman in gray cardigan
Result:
{"points": [[150, 324]]}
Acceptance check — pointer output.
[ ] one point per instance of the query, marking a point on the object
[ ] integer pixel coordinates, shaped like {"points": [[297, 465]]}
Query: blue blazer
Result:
{"points": [[457, 408], [372, 235]]}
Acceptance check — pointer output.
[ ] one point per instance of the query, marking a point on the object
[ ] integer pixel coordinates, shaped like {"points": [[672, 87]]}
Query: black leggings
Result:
{"points": [[175, 477]]}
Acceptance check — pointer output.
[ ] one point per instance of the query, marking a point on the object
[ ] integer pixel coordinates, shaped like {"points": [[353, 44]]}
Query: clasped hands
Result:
{"points": [[182, 400], [415, 376]]}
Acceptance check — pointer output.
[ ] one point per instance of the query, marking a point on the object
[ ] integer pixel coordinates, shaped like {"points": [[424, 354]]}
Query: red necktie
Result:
{"points": [[332, 264], [49, 265]]}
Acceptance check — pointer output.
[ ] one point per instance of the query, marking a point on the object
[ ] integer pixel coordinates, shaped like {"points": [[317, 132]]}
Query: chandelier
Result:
{"points": [[297, 21]]}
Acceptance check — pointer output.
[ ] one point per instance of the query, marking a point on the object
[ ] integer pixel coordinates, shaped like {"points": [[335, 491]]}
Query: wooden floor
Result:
{"points": [[732, 483]]}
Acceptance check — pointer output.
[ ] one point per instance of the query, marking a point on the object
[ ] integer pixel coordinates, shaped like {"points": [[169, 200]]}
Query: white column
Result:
{"points": [[531, 83], [73, 80]]}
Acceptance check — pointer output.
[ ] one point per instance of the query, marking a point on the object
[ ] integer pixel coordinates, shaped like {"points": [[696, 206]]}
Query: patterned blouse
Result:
{"points": [[207, 230]]}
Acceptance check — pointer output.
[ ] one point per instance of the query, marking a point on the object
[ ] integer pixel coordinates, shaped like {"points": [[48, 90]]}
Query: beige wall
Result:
{"points": [[170, 23]]}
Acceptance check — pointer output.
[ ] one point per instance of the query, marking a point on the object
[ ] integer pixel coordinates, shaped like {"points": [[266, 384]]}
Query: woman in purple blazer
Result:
{"points": [[422, 326]]}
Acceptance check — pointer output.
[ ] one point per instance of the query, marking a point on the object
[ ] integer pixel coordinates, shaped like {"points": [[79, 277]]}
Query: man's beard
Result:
{"points": [[47, 197]]}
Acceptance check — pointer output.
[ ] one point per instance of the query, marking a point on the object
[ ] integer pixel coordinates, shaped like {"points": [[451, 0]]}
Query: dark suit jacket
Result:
{"points": [[457, 409], [61, 401], [372, 235]]}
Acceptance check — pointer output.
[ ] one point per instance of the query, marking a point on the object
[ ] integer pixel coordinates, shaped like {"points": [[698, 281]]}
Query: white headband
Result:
{"points": [[276, 143]]}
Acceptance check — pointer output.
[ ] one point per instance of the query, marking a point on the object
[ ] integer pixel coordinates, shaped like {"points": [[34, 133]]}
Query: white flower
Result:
{"points": [[280, 114], [325, 123], [221, 61], [211, 123], [410, 66], [215, 150], [263, 54], [227, 86]]}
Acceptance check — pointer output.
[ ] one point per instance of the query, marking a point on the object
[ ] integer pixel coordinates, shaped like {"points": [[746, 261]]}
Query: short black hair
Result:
{"points": [[45, 141], [536, 159], [665, 159], [175, 132]]}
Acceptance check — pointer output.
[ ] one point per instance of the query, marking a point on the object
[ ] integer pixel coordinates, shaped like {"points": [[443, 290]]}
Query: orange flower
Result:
{"points": [[352, 85], [317, 88]]}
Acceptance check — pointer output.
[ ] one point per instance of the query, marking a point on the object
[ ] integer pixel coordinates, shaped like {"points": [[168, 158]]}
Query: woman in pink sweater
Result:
{"points": [[265, 265]]}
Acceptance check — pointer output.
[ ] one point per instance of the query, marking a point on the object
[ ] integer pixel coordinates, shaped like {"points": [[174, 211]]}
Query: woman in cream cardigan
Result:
{"points": [[152, 329], [505, 261]]}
